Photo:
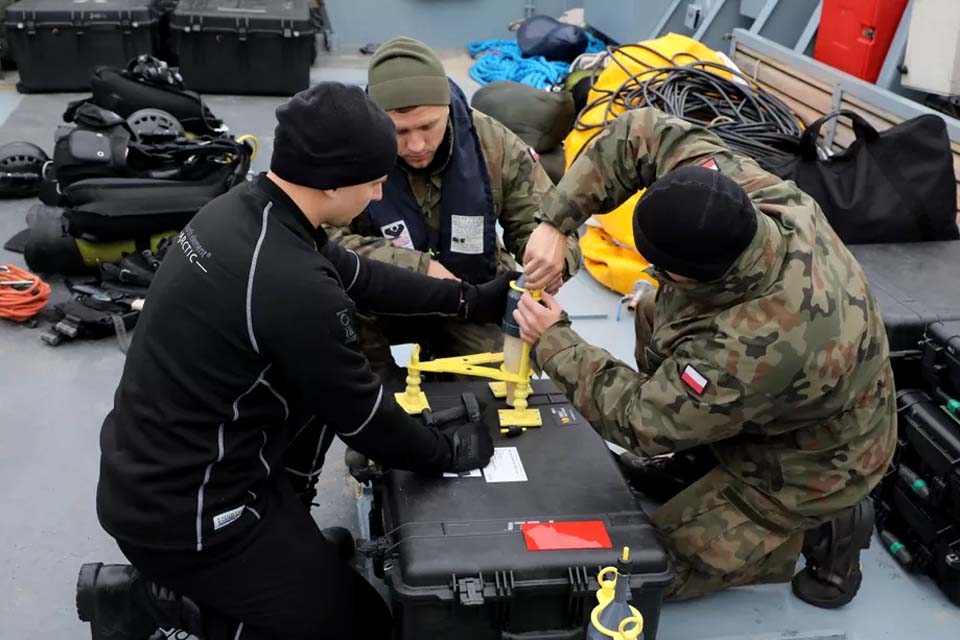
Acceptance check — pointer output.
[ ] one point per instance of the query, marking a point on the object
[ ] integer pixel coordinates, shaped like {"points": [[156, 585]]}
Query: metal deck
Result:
{"points": [[52, 402]]}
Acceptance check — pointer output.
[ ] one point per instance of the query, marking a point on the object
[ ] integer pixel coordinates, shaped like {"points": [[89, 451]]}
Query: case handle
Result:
{"points": [[861, 128], [556, 634]]}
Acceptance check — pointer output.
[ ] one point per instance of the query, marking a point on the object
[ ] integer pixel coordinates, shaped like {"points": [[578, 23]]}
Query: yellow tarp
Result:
{"points": [[609, 254]]}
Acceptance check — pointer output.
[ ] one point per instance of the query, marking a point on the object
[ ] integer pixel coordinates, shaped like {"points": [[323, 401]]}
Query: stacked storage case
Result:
{"points": [[918, 503], [57, 45], [241, 47], [459, 554], [915, 284]]}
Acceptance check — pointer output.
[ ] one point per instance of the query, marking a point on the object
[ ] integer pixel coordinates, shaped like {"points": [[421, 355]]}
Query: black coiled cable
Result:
{"points": [[750, 120]]}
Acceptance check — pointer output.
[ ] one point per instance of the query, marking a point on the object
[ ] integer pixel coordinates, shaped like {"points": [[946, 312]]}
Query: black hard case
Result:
{"points": [[459, 566], [263, 47], [941, 357], [57, 45], [931, 449]]}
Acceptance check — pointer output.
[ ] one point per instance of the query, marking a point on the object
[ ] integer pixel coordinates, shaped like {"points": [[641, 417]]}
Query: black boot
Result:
{"points": [[121, 605], [832, 576]]}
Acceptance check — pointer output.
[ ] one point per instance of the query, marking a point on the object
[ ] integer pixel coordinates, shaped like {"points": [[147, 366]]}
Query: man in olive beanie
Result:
{"points": [[459, 173]]}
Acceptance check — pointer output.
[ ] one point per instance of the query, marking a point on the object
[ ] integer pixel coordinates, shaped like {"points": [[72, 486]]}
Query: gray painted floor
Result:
{"points": [[52, 401]]}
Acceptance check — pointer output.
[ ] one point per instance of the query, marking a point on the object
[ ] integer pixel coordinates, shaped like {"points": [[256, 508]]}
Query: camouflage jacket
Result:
{"points": [[799, 395], [518, 184]]}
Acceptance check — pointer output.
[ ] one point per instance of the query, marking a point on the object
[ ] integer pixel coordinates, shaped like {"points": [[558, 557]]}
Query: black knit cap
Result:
{"points": [[332, 135], [694, 222]]}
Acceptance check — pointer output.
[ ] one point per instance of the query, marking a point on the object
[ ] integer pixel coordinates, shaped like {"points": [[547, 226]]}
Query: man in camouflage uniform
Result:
{"points": [[460, 173], [763, 342]]}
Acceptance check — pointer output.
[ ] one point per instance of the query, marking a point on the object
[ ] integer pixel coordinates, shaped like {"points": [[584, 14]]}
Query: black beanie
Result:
{"points": [[332, 135], [694, 222]]}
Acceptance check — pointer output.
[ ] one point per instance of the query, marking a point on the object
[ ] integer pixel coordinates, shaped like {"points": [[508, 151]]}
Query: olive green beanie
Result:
{"points": [[405, 72]]}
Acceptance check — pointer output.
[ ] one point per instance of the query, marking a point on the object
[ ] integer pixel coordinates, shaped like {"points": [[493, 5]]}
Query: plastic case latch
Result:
{"points": [[78, 22], [470, 591]]}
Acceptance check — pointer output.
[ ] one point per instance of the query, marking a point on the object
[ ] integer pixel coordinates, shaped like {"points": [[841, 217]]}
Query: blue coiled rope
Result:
{"points": [[502, 60]]}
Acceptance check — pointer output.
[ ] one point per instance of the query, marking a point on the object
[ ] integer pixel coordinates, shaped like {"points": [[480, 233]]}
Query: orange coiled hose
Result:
{"points": [[22, 294]]}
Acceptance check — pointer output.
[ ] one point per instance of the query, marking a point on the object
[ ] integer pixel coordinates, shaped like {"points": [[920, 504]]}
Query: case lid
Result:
{"points": [[290, 18], [28, 14], [474, 526], [915, 284]]}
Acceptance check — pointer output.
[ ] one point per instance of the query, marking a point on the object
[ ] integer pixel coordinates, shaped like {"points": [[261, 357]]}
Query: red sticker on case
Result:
{"points": [[558, 536]]}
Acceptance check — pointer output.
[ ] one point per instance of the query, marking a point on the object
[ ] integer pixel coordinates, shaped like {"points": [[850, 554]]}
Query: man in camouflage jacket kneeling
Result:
{"points": [[763, 342]]}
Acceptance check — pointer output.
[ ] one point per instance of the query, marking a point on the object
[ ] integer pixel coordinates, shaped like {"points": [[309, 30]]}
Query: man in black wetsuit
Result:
{"points": [[246, 357]]}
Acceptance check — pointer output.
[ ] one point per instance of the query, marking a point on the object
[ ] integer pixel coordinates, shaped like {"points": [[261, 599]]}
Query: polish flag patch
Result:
{"points": [[694, 379], [711, 164]]}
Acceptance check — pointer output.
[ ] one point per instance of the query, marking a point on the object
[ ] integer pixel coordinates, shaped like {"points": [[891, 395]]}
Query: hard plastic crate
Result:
{"points": [[459, 564], [261, 47], [57, 45], [941, 357], [915, 284]]}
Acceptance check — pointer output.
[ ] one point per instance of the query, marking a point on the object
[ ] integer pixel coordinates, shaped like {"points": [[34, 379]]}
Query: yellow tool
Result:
{"points": [[511, 384], [614, 617]]}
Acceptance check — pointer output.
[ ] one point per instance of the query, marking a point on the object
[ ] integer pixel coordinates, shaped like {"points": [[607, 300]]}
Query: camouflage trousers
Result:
{"points": [[722, 533], [719, 531], [438, 337]]}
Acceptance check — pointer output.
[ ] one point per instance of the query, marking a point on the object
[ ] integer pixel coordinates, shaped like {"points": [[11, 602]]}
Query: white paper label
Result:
{"points": [[473, 473], [398, 234], [505, 466], [225, 518], [466, 234]]}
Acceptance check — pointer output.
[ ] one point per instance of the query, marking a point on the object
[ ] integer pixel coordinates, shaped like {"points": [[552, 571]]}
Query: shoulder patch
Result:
{"points": [[710, 164], [345, 320], [694, 379]]}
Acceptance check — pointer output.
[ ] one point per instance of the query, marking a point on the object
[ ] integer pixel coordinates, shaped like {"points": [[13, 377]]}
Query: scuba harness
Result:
{"points": [[110, 305], [148, 83]]}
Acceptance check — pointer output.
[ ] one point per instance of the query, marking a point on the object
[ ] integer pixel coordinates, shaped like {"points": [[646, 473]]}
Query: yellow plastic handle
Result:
{"points": [[253, 143], [608, 584], [533, 292], [633, 632]]}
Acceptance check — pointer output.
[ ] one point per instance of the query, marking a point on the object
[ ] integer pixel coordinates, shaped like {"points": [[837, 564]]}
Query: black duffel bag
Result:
{"points": [[892, 186], [552, 39]]}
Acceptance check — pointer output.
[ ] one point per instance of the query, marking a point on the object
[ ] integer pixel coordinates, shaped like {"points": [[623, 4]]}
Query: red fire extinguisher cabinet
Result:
{"points": [[854, 35]]}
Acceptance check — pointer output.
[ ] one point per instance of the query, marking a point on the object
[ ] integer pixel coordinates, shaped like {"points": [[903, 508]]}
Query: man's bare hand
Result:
{"points": [[554, 286], [543, 257], [535, 318], [437, 270]]}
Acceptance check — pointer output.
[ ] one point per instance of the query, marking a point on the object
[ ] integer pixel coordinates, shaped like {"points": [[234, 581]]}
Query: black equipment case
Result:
{"points": [[941, 357], [453, 550], [931, 450], [57, 45], [918, 502], [262, 47], [915, 284]]}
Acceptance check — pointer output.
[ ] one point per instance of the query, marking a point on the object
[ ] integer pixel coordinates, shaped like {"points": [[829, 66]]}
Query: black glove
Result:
{"points": [[486, 302], [471, 446]]}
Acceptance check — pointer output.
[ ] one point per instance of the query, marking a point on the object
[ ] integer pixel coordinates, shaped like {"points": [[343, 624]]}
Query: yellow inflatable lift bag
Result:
{"points": [[608, 250]]}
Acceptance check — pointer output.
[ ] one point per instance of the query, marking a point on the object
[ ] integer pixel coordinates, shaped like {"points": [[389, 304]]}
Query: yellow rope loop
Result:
{"points": [[254, 144]]}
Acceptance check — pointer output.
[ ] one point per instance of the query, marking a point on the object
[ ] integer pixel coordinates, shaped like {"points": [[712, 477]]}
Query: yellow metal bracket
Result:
{"points": [[413, 400]]}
